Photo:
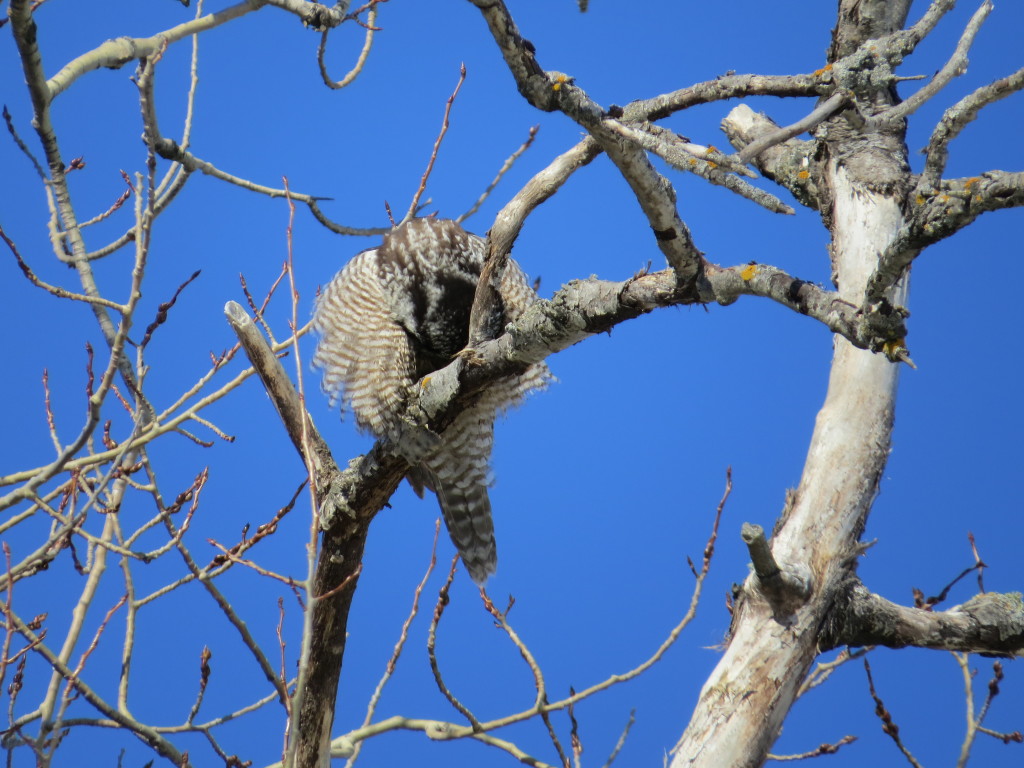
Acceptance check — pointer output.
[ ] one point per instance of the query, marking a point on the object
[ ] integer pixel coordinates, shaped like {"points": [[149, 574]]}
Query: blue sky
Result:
{"points": [[607, 481]]}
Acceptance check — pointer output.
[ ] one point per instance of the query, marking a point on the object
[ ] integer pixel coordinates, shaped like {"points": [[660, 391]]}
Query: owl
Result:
{"points": [[396, 313]]}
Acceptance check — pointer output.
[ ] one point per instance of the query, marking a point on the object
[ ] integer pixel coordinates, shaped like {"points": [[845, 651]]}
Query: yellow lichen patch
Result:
{"points": [[895, 350], [919, 199], [971, 181], [748, 272], [823, 70], [561, 80], [425, 382], [804, 175]]}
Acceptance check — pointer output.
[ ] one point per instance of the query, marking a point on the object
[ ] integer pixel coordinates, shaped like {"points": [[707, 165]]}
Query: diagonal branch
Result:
{"points": [[114, 54], [940, 214], [147, 734], [955, 119], [348, 501], [511, 218], [25, 32], [821, 113], [415, 204], [553, 91], [704, 163], [791, 163], [170, 150], [956, 66]]}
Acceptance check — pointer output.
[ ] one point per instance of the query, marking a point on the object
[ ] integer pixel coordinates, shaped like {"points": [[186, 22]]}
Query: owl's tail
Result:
{"points": [[458, 471], [467, 515]]}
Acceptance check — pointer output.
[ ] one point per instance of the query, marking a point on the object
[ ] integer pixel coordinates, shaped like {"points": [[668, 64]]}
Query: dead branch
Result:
{"points": [[990, 623]]}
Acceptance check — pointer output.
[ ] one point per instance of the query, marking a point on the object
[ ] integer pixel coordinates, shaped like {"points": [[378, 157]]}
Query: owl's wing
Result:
{"points": [[365, 356], [518, 295]]}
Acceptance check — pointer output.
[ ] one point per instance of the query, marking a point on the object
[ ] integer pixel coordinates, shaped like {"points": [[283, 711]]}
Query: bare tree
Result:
{"points": [[103, 504]]}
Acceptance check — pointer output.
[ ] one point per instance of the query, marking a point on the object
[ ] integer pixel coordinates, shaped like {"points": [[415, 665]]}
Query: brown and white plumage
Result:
{"points": [[394, 314]]}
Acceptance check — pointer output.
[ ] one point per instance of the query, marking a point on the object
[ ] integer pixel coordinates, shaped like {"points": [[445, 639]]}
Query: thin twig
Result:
{"points": [[1015, 736], [442, 602], [622, 740], [574, 736], [5, 650], [307, 454], [364, 54], [501, 172], [502, 621], [414, 205], [888, 726], [228, 554], [979, 563], [164, 308], [354, 576], [51, 422], [55, 290], [823, 671], [928, 603], [22, 146], [993, 691], [371, 708], [962, 660], [115, 206], [824, 749], [479, 730], [176, 176], [204, 679]]}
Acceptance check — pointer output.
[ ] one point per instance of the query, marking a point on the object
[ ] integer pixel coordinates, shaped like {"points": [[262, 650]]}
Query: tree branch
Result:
{"points": [[990, 623], [791, 163], [822, 112], [705, 162], [723, 88], [551, 91], [955, 119], [348, 501], [955, 67], [936, 216], [170, 150], [114, 54]]}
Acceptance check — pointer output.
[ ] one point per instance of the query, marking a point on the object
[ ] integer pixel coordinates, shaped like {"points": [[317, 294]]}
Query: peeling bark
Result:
{"points": [[745, 700]]}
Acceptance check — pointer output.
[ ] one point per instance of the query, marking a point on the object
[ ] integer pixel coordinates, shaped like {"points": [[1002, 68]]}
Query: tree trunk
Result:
{"points": [[745, 700]]}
